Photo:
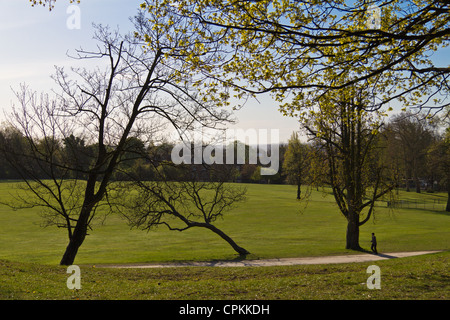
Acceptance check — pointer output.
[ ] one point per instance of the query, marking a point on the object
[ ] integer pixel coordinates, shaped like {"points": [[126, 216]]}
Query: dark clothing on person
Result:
{"points": [[374, 244]]}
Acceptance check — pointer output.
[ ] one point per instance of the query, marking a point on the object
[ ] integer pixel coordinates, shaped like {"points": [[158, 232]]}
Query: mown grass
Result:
{"points": [[270, 224], [415, 278]]}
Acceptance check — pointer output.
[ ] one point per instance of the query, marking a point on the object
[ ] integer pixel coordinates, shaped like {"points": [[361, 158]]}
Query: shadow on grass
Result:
{"points": [[362, 250], [237, 258], [386, 256]]}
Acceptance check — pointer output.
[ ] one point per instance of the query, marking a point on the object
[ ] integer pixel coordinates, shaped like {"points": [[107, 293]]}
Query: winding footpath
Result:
{"points": [[365, 257]]}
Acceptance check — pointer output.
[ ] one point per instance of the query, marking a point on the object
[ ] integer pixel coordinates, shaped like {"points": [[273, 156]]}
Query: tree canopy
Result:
{"points": [[300, 50], [49, 3]]}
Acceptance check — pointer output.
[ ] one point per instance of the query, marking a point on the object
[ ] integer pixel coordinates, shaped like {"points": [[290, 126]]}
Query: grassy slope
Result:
{"points": [[421, 277], [269, 224]]}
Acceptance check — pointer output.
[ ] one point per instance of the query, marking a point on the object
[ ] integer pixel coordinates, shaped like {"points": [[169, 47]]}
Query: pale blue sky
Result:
{"points": [[34, 40]]}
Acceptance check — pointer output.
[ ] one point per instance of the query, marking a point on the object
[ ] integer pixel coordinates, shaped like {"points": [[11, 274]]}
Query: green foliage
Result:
{"points": [[296, 163], [300, 50], [346, 134], [294, 159]]}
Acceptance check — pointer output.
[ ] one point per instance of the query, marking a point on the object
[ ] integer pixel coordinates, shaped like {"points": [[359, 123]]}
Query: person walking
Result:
{"points": [[374, 243]]}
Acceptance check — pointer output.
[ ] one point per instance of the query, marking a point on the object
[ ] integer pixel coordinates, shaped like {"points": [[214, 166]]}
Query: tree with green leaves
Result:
{"points": [[438, 156], [346, 142], [295, 164], [314, 57], [413, 135], [299, 50]]}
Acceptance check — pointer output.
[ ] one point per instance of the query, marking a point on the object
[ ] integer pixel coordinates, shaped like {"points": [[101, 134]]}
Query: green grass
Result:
{"points": [[270, 224], [415, 278]]}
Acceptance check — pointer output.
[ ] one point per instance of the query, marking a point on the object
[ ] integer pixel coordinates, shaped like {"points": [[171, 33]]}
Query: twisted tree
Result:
{"points": [[138, 87], [183, 198]]}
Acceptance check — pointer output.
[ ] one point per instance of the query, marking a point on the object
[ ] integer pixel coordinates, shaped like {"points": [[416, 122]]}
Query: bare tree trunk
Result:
{"points": [[78, 236], [448, 202], [352, 232], [448, 195], [72, 249], [416, 181], [224, 236], [90, 200]]}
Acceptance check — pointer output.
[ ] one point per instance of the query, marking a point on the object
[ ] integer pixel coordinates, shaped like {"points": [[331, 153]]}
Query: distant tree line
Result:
{"points": [[139, 160], [415, 151]]}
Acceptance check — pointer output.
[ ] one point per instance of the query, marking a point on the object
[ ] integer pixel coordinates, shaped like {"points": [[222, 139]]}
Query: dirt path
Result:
{"points": [[279, 262]]}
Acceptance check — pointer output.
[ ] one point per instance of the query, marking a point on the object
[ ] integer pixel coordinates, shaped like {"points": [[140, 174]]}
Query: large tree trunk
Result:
{"points": [[448, 200], [417, 182], [447, 208], [80, 230], [78, 236], [71, 252], [352, 232]]}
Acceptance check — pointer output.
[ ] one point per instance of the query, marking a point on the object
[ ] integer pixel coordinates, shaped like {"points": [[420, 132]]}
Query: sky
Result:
{"points": [[33, 41]]}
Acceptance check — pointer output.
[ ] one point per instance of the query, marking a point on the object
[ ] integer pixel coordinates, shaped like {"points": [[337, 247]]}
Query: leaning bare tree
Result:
{"points": [[139, 84], [184, 197]]}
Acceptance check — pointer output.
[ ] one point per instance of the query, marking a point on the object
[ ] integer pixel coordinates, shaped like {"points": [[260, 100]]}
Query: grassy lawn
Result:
{"points": [[270, 224], [417, 278]]}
